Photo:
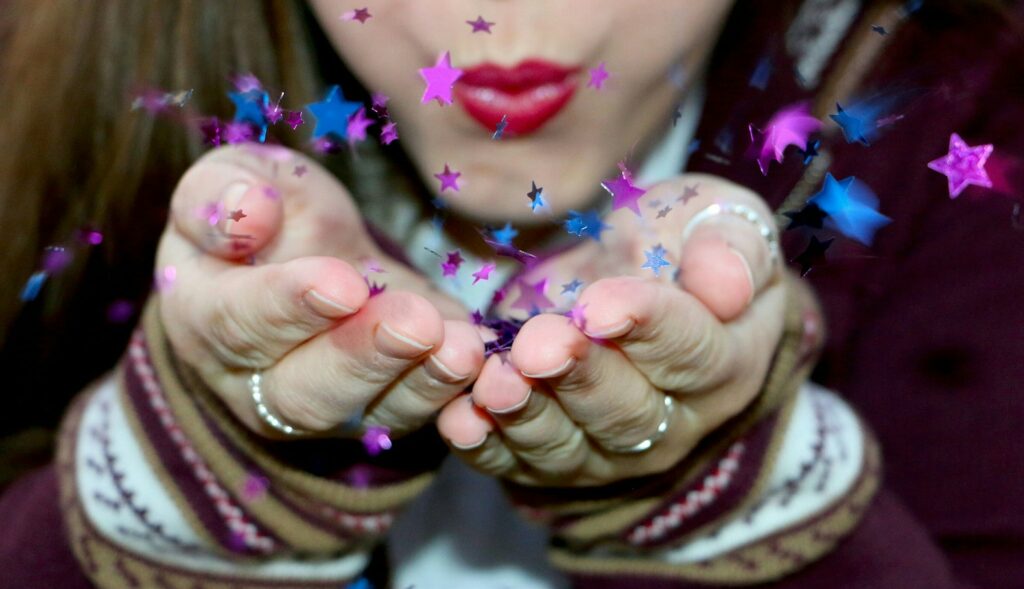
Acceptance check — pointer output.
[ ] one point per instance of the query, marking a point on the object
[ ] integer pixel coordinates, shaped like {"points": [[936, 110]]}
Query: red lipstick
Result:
{"points": [[530, 94]]}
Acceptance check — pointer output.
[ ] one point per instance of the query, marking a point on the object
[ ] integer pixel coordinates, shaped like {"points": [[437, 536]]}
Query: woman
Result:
{"points": [[654, 428]]}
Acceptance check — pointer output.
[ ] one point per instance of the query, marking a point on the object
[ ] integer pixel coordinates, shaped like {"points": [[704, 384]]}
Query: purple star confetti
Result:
{"points": [[299, 171], [357, 126], [963, 165], [450, 267], [358, 14], [255, 487], [598, 76], [389, 133], [624, 193], [793, 125], [448, 178], [532, 296], [484, 272], [439, 79], [480, 25]]}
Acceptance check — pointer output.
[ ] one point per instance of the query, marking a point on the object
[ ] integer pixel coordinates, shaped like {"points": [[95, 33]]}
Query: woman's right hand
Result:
{"points": [[255, 270]]}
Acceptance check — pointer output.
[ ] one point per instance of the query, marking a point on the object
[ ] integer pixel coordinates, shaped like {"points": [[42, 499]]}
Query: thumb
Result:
{"points": [[227, 203]]}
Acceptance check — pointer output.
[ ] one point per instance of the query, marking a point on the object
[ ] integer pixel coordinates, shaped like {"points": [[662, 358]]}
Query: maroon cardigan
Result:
{"points": [[925, 330]]}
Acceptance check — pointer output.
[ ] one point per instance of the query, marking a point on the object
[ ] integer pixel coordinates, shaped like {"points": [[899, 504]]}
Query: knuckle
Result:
{"points": [[300, 410], [559, 456], [231, 339]]}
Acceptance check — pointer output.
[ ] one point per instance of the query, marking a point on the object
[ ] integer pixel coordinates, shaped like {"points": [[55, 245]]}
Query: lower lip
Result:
{"points": [[527, 110]]}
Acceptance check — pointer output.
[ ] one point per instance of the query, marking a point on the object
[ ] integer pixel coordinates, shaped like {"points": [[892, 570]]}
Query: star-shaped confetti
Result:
{"points": [[293, 118], [809, 216], [255, 487], [484, 272], [655, 260], [598, 76], [813, 255], [480, 25], [879, 29], [357, 126], [536, 196], [376, 439], [624, 192], [360, 14], [688, 193], [811, 151], [505, 235], [576, 317], [592, 226], [249, 108], [448, 178], [963, 165], [851, 207], [571, 287], [854, 128], [450, 267], [574, 224], [533, 296], [439, 80], [332, 114], [379, 104], [664, 212], [499, 130], [792, 125], [389, 133]]}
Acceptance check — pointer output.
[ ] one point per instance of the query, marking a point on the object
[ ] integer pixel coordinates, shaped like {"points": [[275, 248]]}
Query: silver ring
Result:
{"points": [[738, 210], [261, 409], [659, 434]]}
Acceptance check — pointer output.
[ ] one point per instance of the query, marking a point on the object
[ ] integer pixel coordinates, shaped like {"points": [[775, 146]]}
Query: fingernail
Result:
{"points": [[397, 345], [614, 331], [230, 199], [513, 408], [564, 368], [750, 275], [325, 307], [438, 370], [472, 446]]}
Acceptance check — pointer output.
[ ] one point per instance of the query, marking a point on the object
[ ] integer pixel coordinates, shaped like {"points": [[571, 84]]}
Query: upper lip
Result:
{"points": [[523, 76]]}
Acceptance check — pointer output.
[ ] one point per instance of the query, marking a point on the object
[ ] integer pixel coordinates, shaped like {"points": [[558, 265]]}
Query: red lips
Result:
{"points": [[529, 94]]}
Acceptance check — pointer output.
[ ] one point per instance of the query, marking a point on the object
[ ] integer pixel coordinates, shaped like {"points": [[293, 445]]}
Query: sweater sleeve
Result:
{"points": [[784, 493], [165, 488]]}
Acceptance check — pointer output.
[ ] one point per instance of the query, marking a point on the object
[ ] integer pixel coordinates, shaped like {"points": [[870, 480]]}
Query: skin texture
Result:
{"points": [[281, 289]]}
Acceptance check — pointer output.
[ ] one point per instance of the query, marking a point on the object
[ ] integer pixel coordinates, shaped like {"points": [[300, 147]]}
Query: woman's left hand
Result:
{"points": [[573, 396]]}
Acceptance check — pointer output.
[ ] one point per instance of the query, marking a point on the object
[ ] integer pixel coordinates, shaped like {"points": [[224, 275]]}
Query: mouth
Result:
{"points": [[529, 94]]}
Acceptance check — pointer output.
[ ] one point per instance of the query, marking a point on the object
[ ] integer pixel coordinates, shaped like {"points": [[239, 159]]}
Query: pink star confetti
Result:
{"points": [[480, 25], [448, 178], [293, 118], [532, 296], [576, 317], [377, 439], [440, 80], [360, 14], [450, 267], [357, 126], [598, 76], [484, 272], [792, 125], [624, 192], [379, 104], [255, 487], [963, 165], [389, 133]]}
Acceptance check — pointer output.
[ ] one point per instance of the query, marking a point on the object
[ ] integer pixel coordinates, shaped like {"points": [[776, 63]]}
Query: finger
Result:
{"points": [[666, 333], [250, 316], [598, 387], [227, 204], [725, 260], [432, 383], [334, 376], [534, 426], [464, 425]]}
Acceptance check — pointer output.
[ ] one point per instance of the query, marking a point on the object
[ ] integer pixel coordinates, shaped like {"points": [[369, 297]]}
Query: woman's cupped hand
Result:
{"points": [[259, 268], [684, 351]]}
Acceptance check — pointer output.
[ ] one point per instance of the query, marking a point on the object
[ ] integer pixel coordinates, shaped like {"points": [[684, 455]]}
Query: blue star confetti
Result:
{"points": [[332, 114], [851, 207], [655, 260], [250, 107]]}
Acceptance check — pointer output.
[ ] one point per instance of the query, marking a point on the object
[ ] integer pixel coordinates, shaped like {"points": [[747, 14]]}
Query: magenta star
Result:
{"points": [[255, 487], [532, 296], [450, 267], [963, 165], [576, 317], [624, 192], [484, 272], [598, 76], [379, 104], [448, 178], [480, 25], [357, 126], [389, 133], [293, 118], [792, 125], [360, 14], [440, 80]]}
